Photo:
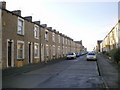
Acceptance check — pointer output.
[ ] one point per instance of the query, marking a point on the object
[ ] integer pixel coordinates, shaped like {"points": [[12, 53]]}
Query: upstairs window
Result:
{"points": [[66, 40], [63, 40], [59, 38], [46, 35], [36, 32], [20, 26], [53, 37]]}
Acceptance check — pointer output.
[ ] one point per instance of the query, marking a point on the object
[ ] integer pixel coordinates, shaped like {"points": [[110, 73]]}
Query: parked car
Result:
{"points": [[71, 56], [80, 53], [77, 54], [91, 56]]}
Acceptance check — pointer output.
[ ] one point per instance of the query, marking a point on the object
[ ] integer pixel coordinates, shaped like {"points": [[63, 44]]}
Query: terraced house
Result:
{"points": [[112, 39], [23, 41]]}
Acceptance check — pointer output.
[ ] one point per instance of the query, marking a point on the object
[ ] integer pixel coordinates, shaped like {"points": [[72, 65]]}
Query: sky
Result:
{"points": [[86, 20]]}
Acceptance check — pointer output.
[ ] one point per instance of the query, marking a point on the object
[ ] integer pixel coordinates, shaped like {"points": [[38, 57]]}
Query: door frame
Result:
{"points": [[31, 52], [42, 53], [12, 52]]}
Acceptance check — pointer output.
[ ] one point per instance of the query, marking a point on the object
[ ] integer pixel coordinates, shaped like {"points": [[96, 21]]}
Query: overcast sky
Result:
{"points": [[86, 21]]}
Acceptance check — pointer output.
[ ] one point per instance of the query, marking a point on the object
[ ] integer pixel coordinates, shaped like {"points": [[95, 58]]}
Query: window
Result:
{"points": [[63, 50], [66, 50], [47, 50], [63, 40], [46, 35], [53, 50], [20, 50], [53, 37], [20, 26], [36, 32], [58, 50], [59, 38], [66, 40], [36, 50]]}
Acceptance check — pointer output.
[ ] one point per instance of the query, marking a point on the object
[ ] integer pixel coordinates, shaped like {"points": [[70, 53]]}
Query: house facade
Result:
{"points": [[112, 39], [23, 41]]}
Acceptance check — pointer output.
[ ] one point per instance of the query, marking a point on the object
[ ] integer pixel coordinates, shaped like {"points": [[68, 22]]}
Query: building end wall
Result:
{"points": [[0, 49], [0, 38]]}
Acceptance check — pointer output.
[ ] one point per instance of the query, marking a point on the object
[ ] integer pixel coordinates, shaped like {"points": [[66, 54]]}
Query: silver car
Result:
{"points": [[71, 56], [91, 56]]}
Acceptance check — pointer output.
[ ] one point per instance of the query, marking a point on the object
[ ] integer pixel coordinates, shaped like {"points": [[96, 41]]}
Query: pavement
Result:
{"points": [[14, 71], [109, 72]]}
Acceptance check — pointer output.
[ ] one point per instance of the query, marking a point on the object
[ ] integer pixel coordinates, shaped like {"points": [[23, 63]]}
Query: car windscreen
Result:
{"points": [[70, 54], [91, 54]]}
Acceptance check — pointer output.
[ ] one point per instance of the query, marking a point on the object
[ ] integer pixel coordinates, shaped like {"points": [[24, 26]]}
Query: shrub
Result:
{"points": [[115, 54]]}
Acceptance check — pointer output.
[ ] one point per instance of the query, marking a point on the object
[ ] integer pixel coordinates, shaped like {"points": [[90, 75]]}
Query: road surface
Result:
{"points": [[77, 73]]}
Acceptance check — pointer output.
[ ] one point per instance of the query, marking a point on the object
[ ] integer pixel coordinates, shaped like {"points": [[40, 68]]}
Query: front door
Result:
{"points": [[9, 54], [29, 53]]}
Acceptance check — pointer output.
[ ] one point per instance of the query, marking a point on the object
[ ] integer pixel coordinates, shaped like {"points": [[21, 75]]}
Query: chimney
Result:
{"points": [[44, 25], [50, 28], [3, 5], [54, 30], [57, 32], [17, 12], [119, 21], [29, 18], [37, 22], [60, 33]]}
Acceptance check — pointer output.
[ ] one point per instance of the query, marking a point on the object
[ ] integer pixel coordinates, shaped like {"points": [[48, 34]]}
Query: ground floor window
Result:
{"points": [[47, 50], [36, 50], [53, 50], [20, 50]]}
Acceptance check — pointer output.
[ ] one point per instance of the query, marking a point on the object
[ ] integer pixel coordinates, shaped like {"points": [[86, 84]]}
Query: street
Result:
{"points": [[77, 73]]}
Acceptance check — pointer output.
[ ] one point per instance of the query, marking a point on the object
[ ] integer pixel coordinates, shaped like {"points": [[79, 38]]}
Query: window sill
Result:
{"points": [[20, 59], [36, 57], [20, 34], [36, 38]]}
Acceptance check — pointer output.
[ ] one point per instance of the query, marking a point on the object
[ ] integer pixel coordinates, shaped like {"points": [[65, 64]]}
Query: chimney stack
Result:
{"points": [[54, 30], [29, 18], [3, 5], [50, 28], [44, 25], [37, 22], [17, 12]]}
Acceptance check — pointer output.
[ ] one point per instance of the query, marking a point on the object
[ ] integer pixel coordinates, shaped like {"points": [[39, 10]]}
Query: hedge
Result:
{"points": [[115, 54]]}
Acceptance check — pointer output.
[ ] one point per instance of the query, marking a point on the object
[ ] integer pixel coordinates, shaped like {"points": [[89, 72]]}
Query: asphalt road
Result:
{"points": [[77, 73]]}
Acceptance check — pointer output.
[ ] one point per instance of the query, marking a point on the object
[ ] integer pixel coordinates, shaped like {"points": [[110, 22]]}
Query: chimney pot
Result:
{"points": [[3, 5]]}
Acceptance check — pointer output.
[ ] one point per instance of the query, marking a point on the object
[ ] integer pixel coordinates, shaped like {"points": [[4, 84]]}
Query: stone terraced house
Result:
{"points": [[23, 41]]}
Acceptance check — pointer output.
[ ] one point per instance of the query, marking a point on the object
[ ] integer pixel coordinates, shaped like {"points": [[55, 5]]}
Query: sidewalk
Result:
{"points": [[11, 72], [109, 71]]}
